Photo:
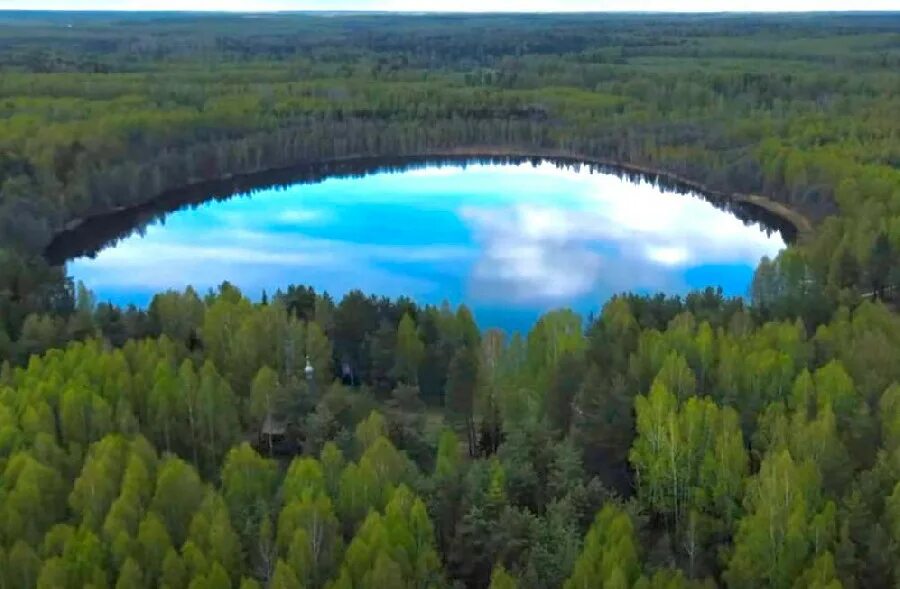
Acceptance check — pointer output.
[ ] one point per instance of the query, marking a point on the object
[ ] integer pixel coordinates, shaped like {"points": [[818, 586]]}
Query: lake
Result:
{"points": [[509, 240]]}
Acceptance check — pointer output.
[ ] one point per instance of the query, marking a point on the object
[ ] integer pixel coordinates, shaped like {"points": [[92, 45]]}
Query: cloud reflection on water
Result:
{"points": [[536, 237], [614, 236]]}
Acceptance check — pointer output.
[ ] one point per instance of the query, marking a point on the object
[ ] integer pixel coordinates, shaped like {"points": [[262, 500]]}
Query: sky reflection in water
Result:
{"points": [[509, 241]]}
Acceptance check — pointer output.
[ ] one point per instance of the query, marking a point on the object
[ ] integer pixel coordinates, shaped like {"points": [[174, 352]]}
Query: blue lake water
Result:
{"points": [[510, 241]]}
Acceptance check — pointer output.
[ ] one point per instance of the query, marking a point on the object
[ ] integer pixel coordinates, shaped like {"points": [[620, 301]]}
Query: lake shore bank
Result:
{"points": [[87, 235]]}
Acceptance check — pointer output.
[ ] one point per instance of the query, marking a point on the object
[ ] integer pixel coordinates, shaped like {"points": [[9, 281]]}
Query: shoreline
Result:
{"points": [[802, 225], [798, 220]]}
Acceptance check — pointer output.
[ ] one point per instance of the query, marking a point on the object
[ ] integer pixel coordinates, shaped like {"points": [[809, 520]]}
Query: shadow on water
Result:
{"points": [[99, 232]]}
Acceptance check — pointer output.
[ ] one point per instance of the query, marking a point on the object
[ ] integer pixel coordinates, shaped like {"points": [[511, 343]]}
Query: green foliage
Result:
{"points": [[787, 525], [120, 429], [410, 351], [610, 554], [179, 492], [77, 510], [396, 547], [249, 482], [687, 458], [501, 579]]}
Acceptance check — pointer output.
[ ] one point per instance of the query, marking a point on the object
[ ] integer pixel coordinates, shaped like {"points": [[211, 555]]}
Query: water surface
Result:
{"points": [[510, 241]]}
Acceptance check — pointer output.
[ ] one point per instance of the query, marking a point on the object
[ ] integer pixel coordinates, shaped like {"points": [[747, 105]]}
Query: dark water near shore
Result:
{"points": [[511, 240]]}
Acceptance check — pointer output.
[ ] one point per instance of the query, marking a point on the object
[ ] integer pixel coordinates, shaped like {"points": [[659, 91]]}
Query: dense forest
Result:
{"points": [[308, 441]]}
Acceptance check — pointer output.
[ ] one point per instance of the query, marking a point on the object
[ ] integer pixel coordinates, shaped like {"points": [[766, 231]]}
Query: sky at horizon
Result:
{"points": [[461, 5]]}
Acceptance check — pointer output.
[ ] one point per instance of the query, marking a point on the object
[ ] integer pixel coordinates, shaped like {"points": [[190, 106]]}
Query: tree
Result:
{"points": [[370, 429], [217, 415], [179, 492], [84, 416], [410, 351], [98, 484], [211, 532], [462, 381], [603, 421], [787, 524], [264, 394], [446, 501], [688, 457], [34, 496], [396, 548], [305, 477], [331, 460], [249, 482], [24, 565], [81, 323], [153, 543], [555, 334], [881, 263], [130, 575], [319, 352], [500, 579], [657, 441], [218, 577], [564, 385], [163, 402], [609, 557], [821, 574], [844, 269], [178, 315], [406, 415], [889, 412], [309, 536], [174, 574], [284, 577], [677, 376]]}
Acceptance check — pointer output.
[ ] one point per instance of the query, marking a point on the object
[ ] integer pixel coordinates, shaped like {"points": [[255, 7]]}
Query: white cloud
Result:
{"points": [[164, 259], [301, 216], [542, 235], [668, 256], [611, 233]]}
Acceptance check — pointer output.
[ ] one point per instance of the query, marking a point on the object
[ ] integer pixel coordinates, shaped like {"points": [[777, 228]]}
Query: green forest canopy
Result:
{"points": [[667, 442]]}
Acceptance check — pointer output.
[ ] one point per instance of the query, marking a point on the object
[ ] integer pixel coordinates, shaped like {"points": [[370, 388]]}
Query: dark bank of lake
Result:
{"points": [[511, 238]]}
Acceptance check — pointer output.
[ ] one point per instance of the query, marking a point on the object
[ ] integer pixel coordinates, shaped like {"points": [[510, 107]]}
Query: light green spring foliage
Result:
{"points": [[501, 579], [370, 430], [284, 577], [264, 395], [609, 558], [788, 524], [172, 530], [309, 537], [249, 484], [449, 455], [87, 500], [410, 351], [688, 456], [396, 546], [332, 461]]}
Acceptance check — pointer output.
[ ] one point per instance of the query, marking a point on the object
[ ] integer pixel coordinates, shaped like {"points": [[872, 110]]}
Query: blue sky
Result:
{"points": [[458, 5]]}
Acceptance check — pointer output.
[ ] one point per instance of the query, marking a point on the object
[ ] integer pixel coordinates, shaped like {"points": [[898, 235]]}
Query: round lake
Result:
{"points": [[510, 241]]}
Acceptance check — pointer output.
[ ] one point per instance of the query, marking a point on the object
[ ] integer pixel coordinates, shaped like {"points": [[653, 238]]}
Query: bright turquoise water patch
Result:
{"points": [[510, 241]]}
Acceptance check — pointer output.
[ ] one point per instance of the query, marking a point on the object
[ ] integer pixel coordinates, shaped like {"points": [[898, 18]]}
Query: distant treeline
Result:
{"points": [[104, 112], [90, 235]]}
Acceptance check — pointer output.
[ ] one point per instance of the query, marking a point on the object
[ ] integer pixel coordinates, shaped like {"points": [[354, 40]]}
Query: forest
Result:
{"points": [[305, 440]]}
